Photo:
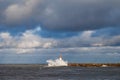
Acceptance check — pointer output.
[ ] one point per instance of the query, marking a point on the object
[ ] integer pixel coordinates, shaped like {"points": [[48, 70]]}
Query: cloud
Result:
{"points": [[113, 41], [32, 39], [16, 13], [87, 28], [82, 15], [6, 39], [81, 54], [26, 40], [87, 34], [61, 15], [5, 35]]}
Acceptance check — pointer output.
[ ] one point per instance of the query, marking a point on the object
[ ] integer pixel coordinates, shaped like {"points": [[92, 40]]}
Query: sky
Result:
{"points": [[82, 31]]}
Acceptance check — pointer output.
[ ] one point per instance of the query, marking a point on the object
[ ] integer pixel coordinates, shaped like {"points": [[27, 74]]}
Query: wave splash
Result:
{"points": [[57, 62]]}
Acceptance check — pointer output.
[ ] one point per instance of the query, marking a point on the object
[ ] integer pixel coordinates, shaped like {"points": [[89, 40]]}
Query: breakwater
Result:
{"points": [[95, 64], [69, 64]]}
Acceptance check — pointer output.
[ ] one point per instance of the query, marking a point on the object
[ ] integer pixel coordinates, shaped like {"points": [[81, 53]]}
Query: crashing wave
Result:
{"points": [[57, 62]]}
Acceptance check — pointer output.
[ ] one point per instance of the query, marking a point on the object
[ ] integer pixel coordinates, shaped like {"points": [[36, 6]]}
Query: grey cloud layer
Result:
{"points": [[83, 54], [61, 14]]}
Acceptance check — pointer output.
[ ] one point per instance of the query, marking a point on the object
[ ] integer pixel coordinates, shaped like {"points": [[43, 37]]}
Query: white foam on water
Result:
{"points": [[57, 62]]}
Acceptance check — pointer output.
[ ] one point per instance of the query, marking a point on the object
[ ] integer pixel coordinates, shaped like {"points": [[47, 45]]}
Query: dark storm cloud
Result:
{"points": [[61, 15], [82, 14]]}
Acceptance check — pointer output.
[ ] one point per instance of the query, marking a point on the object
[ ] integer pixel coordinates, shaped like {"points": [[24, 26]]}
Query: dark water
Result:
{"points": [[58, 73]]}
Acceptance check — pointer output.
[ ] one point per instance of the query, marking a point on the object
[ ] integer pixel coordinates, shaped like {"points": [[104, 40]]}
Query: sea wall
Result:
{"points": [[69, 64], [95, 64]]}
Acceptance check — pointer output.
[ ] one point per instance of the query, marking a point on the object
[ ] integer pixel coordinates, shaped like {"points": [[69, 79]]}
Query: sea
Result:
{"points": [[42, 72]]}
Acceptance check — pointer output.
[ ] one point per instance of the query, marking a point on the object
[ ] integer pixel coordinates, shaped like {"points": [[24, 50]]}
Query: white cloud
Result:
{"points": [[26, 41], [47, 45], [5, 35], [18, 12], [97, 44], [20, 51], [31, 40], [87, 34], [6, 40]]}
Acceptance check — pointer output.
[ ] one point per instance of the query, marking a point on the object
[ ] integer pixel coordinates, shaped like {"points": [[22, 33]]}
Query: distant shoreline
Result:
{"points": [[69, 64]]}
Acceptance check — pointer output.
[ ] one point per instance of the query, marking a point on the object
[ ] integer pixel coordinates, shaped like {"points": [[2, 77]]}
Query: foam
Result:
{"points": [[57, 62]]}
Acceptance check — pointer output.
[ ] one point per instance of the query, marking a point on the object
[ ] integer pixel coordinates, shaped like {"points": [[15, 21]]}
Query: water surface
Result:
{"points": [[37, 72]]}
